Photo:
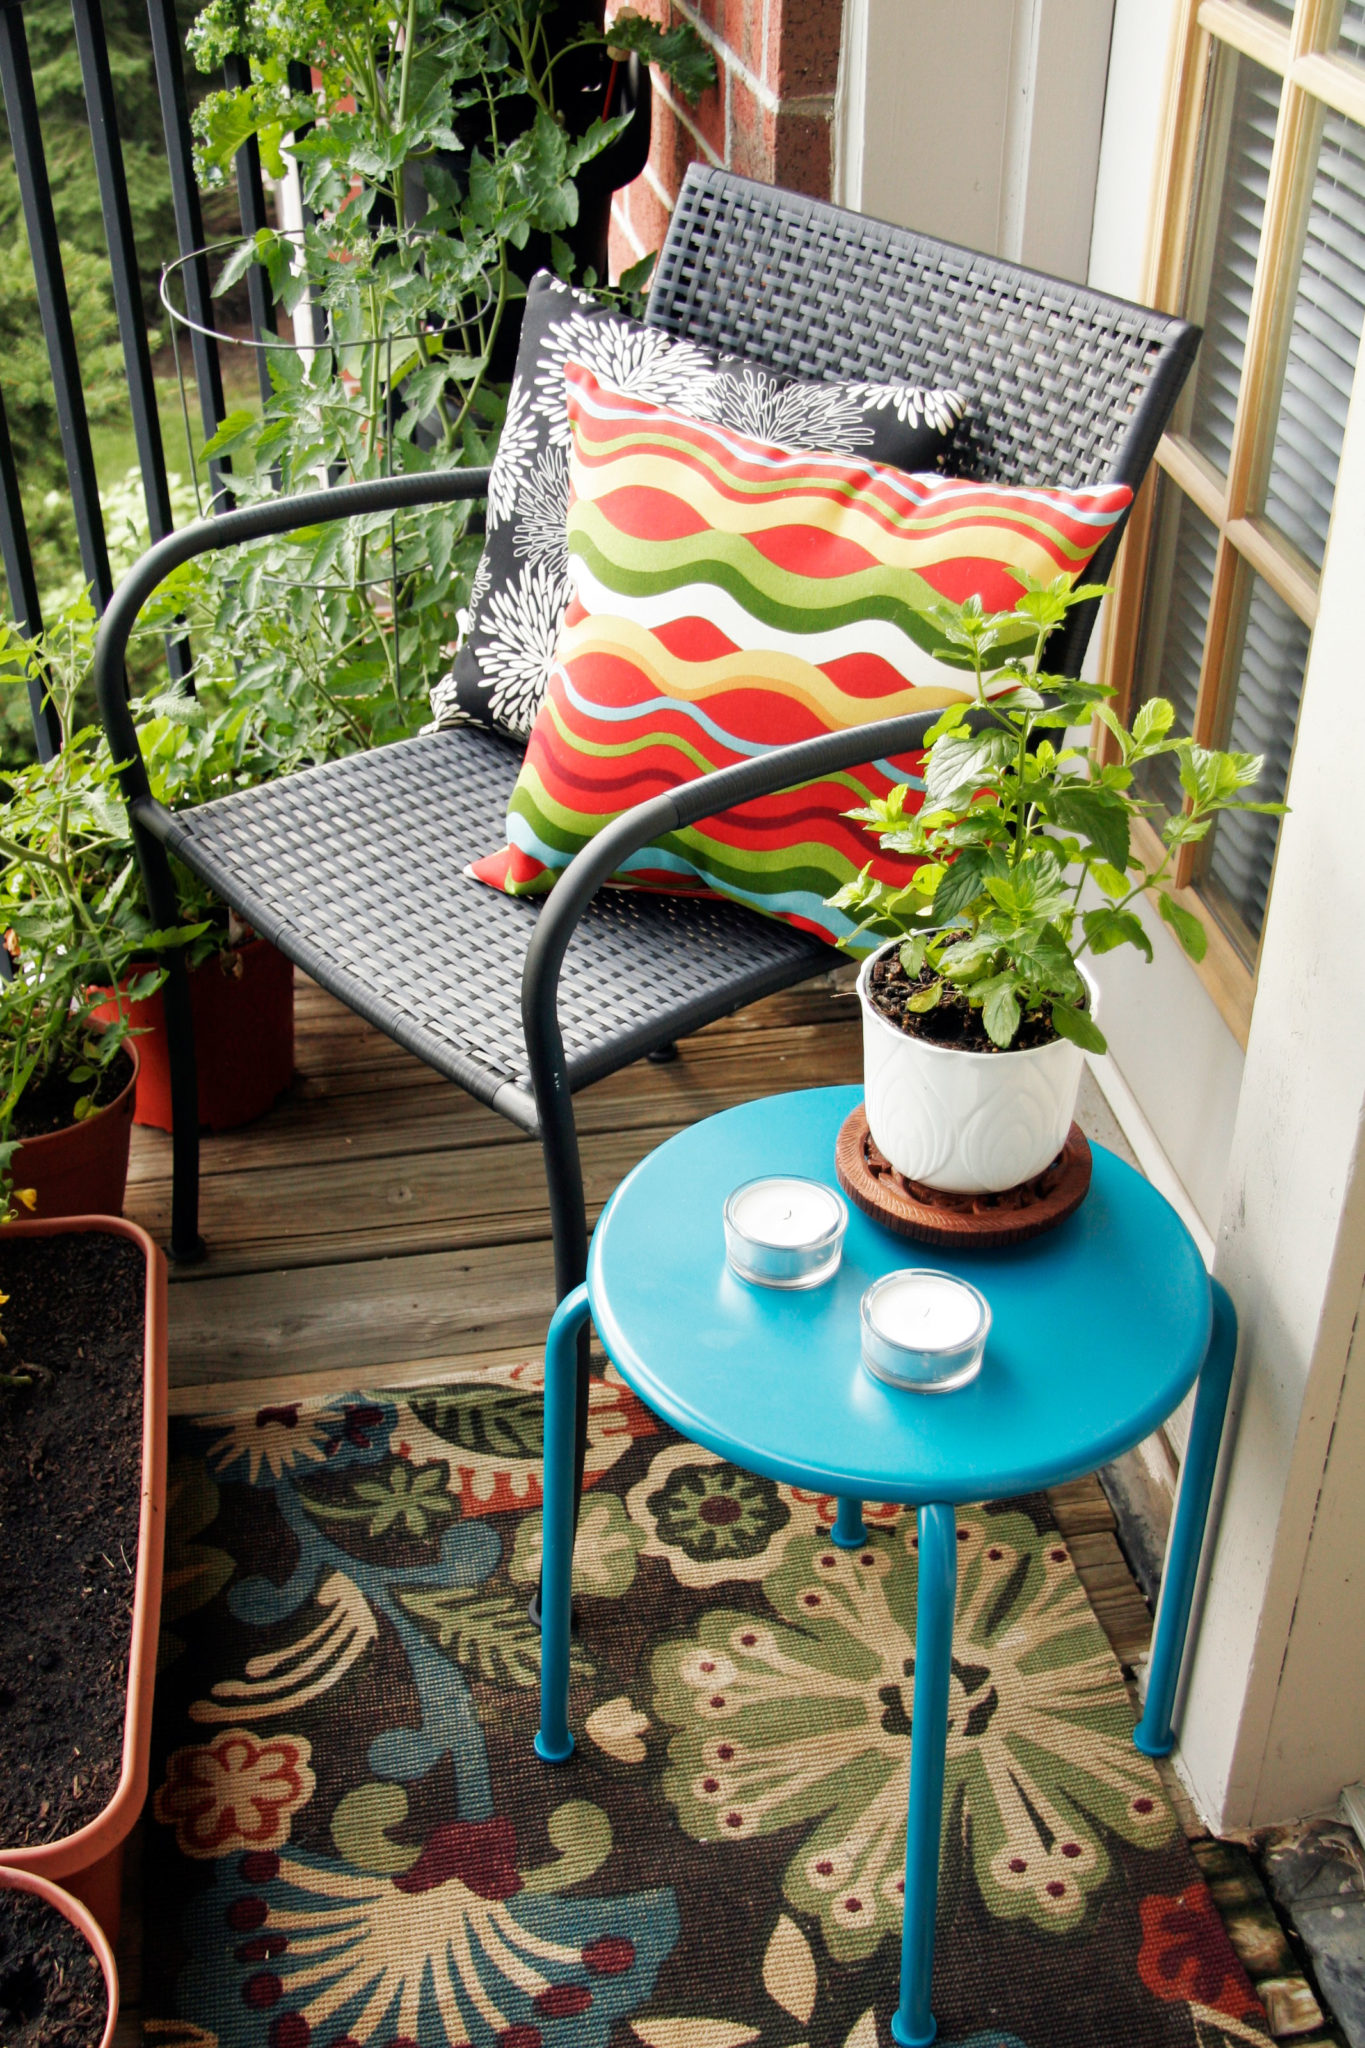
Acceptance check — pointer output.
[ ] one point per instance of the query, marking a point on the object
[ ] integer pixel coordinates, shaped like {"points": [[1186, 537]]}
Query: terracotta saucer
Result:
{"points": [[963, 1221]]}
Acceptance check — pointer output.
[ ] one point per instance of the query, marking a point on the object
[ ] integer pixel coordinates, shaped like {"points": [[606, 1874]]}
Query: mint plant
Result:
{"points": [[1023, 850]]}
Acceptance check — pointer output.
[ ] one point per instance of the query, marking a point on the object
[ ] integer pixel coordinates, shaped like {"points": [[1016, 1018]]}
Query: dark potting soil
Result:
{"points": [[51, 1105], [70, 1455], [952, 1022], [52, 1991]]}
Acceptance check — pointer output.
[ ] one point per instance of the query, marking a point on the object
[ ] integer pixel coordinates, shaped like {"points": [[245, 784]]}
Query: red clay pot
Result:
{"points": [[85, 1924], [82, 1170], [89, 1863], [243, 1004]]}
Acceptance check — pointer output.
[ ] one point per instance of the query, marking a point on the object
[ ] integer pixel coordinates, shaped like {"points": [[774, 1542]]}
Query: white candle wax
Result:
{"points": [[787, 1213], [926, 1312]]}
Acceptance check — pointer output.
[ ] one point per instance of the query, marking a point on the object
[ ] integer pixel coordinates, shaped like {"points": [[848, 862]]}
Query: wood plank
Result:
{"points": [[1081, 1507], [414, 1111], [288, 1324], [224, 1397]]}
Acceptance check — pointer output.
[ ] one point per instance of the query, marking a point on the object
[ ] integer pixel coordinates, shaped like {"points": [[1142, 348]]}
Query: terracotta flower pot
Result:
{"points": [[89, 1862], [87, 1927], [966, 1122], [83, 1169], [243, 1005]]}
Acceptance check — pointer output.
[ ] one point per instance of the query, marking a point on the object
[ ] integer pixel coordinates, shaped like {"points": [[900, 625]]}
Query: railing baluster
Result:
{"points": [[301, 81], [23, 590], [189, 228], [251, 206], [21, 108], [93, 52]]}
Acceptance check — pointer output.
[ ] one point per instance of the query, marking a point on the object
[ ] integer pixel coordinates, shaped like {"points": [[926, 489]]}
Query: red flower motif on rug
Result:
{"points": [[235, 1792], [1185, 1955]]}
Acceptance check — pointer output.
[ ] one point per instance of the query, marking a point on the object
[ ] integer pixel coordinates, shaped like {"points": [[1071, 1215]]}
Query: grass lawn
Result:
{"points": [[115, 449]]}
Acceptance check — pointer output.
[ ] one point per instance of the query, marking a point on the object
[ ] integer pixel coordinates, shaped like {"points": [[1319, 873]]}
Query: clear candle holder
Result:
{"points": [[785, 1231], [924, 1330]]}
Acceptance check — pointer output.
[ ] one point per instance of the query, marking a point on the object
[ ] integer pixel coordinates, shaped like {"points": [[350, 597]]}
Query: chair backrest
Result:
{"points": [[1067, 385]]}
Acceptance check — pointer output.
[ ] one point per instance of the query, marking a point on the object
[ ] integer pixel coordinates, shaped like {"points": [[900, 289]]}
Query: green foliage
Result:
{"points": [[61, 103], [67, 910], [31, 414], [1016, 822], [439, 152]]}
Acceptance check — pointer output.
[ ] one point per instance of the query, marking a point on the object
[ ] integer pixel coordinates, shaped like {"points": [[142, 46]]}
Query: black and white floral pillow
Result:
{"points": [[521, 586]]}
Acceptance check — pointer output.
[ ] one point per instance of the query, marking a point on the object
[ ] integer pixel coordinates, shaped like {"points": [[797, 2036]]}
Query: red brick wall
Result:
{"points": [[770, 114]]}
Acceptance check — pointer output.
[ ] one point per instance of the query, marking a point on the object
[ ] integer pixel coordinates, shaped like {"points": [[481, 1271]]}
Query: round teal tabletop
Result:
{"points": [[1099, 1326]]}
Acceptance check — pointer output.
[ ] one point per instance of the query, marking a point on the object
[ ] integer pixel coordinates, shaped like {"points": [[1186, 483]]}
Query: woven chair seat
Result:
{"points": [[356, 870]]}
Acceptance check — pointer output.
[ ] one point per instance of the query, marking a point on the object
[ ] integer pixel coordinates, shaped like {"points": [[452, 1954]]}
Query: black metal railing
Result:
{"points": [[165, 57]]}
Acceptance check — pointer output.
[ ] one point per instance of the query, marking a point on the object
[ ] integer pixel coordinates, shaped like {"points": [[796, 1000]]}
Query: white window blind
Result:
{"points": [[1265, 710], [1351, 40], [1324, 341], [1236, 245], [1171, 648]]}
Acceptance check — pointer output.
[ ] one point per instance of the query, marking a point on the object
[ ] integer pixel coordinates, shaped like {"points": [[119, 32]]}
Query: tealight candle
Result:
{"points": [[785, 1231], [924, 1329]]}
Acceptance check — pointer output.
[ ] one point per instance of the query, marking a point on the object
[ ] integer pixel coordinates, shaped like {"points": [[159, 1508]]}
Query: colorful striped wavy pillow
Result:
{"points": [[731, 597]]}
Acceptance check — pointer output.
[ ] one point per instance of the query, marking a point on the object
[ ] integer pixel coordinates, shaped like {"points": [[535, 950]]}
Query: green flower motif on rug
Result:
{"points": [[605, 1548], [711, 1522], [716, 1513], [808, 1720]]}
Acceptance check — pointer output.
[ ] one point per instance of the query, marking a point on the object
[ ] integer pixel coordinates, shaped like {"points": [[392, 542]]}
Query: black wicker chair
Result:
{"points": [[355, 870]]}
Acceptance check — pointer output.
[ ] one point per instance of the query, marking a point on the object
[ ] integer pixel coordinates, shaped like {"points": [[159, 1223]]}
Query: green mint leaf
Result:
{"points": [[1185, 925], [1079, 1026]]}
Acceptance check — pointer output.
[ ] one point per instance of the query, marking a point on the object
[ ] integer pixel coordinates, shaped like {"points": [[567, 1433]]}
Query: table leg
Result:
{"points": [[554, 1742], [913, 2024], [1153, 1734], [849, 1531]]}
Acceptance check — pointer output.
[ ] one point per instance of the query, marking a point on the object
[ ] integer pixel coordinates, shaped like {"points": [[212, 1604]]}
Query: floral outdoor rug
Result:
{"points": [[354, 1844]]}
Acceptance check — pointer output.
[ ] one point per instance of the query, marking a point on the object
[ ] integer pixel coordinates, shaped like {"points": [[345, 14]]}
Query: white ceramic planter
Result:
{"points": [[966, 1122]]}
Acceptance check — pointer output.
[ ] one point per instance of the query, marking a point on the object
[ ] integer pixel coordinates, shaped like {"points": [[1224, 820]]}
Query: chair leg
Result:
{"points": [[187, 1246], [569, 1225]]}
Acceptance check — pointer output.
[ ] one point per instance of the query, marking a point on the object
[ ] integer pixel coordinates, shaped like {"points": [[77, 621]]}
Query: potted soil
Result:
{"points": [[978, 1009], [58, 1983], [82, 1505]]}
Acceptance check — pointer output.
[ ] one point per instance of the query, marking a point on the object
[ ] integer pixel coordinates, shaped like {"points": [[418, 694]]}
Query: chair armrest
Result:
{"points": [[230, 529], [721, 790]]}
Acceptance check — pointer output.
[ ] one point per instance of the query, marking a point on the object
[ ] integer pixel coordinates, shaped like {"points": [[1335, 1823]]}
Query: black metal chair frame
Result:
{"points": [[1069, 387]]}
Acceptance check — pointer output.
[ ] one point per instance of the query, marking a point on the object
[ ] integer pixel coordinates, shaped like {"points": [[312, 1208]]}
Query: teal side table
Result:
{"points": [[1099, 1329]]}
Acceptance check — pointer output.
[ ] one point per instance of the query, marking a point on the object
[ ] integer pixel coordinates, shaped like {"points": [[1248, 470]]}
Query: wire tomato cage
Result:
{"points": [[183, 323]]}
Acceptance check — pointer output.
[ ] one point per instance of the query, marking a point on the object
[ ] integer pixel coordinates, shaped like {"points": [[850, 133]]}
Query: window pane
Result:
{"points": [[1351, 41], [1265, 713], [1241, 208], [1171, 646], [1324, 341], [1278, 10]]}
